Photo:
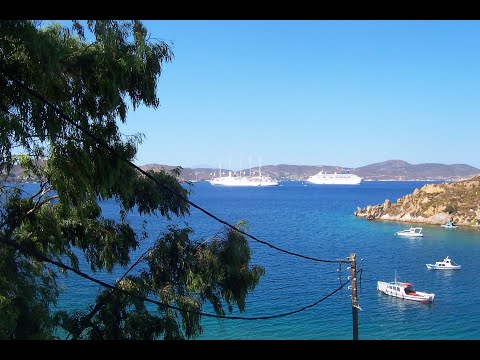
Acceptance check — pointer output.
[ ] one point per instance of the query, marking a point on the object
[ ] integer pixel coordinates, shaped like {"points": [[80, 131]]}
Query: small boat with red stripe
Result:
{"points": [[404, 290]]}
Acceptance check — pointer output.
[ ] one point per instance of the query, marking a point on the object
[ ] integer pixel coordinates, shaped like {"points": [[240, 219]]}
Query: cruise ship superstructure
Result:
{"points": [[345, 178], [243, 180]]}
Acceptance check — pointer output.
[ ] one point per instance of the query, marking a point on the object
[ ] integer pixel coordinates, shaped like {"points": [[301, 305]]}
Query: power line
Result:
{"points": [[143, 298], [115, 154], [103, 144]]}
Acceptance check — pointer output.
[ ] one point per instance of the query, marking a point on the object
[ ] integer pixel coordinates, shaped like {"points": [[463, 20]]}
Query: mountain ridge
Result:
{"points": [[390, 170]]}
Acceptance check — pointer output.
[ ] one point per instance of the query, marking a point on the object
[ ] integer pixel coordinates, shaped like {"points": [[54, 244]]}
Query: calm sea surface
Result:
{"points": [[318, 221]]}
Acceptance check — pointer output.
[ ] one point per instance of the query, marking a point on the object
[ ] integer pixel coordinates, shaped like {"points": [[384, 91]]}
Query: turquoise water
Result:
{"points": [[318, 221]]}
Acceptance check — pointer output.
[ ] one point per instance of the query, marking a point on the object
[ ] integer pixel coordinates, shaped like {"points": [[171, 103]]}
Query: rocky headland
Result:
{"points": [[432, 204]]}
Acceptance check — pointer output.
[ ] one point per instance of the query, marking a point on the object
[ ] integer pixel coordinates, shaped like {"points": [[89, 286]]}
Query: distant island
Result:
{"points": [[432, 204], [391, 170]]}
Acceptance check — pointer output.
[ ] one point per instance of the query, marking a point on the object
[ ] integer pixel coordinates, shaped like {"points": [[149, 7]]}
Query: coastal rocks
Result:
{"points": [[373, 212], [432, 204], [432, 189], [378, 212]]}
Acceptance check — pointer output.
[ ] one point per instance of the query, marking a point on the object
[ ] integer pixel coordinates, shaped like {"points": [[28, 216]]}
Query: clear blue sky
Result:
{"points": [[320, 92]]}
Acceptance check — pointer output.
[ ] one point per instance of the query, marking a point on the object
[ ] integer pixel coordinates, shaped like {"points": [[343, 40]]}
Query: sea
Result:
{"points": [[303, 299]]}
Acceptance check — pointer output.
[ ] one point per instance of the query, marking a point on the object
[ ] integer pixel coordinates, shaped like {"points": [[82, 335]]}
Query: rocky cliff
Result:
{"points": [[432, 204]]}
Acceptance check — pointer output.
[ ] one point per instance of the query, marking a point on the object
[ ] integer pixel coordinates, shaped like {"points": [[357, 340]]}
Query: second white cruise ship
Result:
{"points": [[344, 178]]}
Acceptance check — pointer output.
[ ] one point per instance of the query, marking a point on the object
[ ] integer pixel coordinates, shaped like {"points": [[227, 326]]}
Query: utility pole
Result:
{"points": [[353, 270]]}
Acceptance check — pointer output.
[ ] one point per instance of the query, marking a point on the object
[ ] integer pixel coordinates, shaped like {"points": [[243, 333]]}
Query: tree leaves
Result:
{"points": [[92, 83]]}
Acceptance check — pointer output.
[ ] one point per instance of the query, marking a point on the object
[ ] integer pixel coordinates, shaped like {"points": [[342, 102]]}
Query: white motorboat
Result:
{"points": [[404, 290], [446, 264], [449, 225], [412, 232]]}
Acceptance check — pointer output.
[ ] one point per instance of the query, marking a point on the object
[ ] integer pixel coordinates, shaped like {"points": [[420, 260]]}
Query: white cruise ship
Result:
{"points": [[243, 180], [344, 178]]}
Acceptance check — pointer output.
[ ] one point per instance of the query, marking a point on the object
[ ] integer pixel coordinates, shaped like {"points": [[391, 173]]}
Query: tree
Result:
{"points": [[61, 98]]}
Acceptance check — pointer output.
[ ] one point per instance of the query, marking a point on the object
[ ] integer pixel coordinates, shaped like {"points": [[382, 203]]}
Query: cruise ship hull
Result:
{"points": [[243, 181], [334, 179]]}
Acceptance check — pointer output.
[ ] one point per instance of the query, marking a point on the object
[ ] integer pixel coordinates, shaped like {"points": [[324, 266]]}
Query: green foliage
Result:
{"points": [[450, 209], [27, 286], [93, 83]]}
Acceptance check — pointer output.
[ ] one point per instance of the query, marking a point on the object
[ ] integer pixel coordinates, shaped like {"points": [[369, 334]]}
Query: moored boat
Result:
{"points": [[449, 225], [404, 290], [412, 232], [446, 264]]}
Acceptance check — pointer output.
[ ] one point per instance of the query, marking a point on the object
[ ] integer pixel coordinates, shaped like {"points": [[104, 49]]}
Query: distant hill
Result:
{"points": [[402, 170], [17, 174], [392, 170]]}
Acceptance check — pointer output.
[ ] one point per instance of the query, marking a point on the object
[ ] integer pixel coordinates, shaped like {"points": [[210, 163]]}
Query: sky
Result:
{"points": [[313, 92]]}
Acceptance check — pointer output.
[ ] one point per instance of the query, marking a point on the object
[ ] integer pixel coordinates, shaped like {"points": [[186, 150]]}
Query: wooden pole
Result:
{"points": [[353, 270]]}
